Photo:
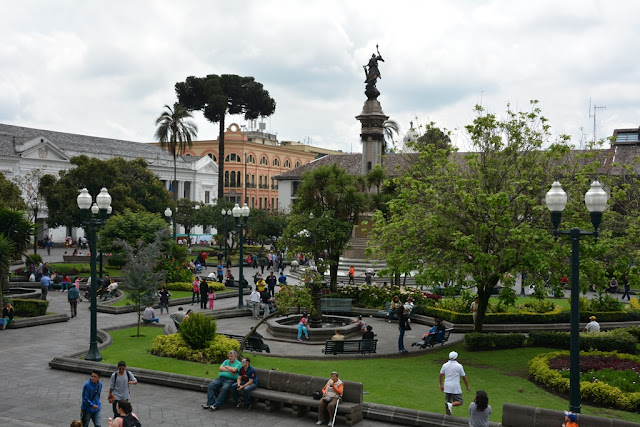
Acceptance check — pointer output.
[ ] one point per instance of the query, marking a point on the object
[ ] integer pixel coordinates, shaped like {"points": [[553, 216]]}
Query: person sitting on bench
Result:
{"points": [[149, 315]]}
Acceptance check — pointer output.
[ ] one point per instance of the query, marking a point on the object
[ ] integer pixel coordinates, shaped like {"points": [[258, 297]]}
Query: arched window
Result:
{"points": [[287, 164], [238, 179], [297, 164], [276, 162], [233, 157], [264, 161], [251, 159], [226, 179], [213, 157]]}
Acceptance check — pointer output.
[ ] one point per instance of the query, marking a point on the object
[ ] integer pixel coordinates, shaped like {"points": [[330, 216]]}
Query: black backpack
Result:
{"points": [[130, 421]]}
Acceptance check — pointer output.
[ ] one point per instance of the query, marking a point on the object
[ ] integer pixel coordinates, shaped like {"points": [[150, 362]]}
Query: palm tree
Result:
{"points": [[7, 249], [174, 133], [389, 129]]}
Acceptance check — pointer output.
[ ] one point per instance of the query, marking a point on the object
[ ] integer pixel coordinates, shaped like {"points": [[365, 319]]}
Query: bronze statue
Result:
{"points": [[372, 74]]}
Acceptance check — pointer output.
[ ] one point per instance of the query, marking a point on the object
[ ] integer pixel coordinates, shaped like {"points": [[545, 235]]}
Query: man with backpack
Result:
{"points": [[119, 386]]}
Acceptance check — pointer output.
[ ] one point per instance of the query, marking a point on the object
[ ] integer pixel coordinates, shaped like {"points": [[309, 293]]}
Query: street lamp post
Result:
{"points": [[93, 221], [225, 216], [35, 221], [596, 201], [239, 212], [104, 216]]}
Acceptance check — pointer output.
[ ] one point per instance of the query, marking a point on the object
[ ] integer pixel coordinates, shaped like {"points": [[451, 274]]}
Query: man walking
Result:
{"points": [[45, 284], [271, 284], [451, 372], [90, 409], [229, 370], [120, 386], [255, 302]]}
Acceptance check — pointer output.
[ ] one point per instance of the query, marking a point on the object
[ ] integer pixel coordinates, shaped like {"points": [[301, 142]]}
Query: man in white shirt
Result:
{"points": [[451, 372], [592, 326], [255, 302]]}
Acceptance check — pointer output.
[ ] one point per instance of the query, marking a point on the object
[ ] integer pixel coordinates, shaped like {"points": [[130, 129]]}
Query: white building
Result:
{"points": [[24, 149]]}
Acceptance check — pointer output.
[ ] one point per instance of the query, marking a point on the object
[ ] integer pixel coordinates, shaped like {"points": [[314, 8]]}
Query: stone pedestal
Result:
{"points": [[372, 120]]}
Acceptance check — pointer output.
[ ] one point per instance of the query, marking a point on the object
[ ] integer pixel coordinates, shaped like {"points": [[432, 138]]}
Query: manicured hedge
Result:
{"points": [[188, 286], [556, 316], [617, 339], [595, 392], [29, 307], [490, 341]]}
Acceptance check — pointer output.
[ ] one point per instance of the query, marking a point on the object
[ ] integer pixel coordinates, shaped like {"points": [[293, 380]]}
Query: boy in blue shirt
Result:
{"points": [[247, 381], [90, 408]]}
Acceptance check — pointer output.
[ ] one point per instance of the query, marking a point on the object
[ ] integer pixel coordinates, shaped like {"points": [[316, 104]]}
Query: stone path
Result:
{"points": [[32, 394]]}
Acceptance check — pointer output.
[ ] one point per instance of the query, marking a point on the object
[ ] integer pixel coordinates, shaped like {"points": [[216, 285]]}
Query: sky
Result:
{"points": [[107, 68]]}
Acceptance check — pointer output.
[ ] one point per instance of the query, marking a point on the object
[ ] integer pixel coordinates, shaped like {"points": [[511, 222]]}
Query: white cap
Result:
{"points": [[453, 355]]}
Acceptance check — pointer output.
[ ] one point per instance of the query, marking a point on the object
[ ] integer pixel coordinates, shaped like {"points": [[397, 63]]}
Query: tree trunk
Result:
{"points": [[484, 293], [221, 160], [333, 270], [255, 328]]}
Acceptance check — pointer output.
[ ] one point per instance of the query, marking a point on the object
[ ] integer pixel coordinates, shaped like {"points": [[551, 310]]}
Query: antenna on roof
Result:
{"points": [[593, 116]]}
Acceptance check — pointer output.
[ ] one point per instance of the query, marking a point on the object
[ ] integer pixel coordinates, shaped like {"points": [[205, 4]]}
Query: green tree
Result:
{"points": [[7, 249], [141, 277], [175, 133], [10, 196], [187, 214], [390, 130], [323, 216], [263, 224], [473, 218], [216, 96], [131, 185], [130, 227]]}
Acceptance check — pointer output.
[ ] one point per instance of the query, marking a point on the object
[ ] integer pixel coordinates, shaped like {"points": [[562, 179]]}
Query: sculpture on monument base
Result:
{"points": [[372, 74]]}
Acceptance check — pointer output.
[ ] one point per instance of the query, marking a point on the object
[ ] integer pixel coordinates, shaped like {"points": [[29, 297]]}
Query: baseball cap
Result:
{"points": [[572, 417], [453, 355]]}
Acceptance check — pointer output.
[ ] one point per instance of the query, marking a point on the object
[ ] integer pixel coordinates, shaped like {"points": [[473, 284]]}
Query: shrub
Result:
{"points": [[597, 392], [116, 261], [370, 296], [490, 341], [29, 307], [198, 331], [539, 306], [175, 346], [71, 269], [617, 339], [188, 286], [32, 258]]}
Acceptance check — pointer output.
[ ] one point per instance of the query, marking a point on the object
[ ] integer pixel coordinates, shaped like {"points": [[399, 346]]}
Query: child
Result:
{"points": [[212, 295], [360, 322], [570, 419]]}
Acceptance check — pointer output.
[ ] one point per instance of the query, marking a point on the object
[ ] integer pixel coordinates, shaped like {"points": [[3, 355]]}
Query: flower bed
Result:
{"points": [[547, 369]]}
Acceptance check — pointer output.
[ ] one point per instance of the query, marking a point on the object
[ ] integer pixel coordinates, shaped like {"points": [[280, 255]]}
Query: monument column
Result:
{"points": [[372, 118]]}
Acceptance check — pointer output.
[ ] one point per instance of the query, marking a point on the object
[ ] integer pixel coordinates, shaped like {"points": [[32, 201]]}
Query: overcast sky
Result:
{"points": [[107, 68]]}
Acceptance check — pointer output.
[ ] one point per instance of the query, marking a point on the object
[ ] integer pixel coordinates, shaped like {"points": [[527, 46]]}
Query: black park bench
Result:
{"points": [[350, 347], [254, 342]]}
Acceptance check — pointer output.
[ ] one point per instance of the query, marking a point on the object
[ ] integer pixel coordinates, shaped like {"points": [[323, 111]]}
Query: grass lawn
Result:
{"points": [[560, 302], [410, 382], [174, 294]]}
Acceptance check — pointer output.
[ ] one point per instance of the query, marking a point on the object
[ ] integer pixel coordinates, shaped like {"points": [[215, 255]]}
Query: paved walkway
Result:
{"points": [[32, 394]]}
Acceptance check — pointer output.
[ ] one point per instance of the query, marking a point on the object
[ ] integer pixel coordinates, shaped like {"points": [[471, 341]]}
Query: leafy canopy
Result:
{"points": [[130, 183], [474, 218]]}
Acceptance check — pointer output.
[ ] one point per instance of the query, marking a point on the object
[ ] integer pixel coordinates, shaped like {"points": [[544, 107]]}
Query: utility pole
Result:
{"points": [[593, 116]]}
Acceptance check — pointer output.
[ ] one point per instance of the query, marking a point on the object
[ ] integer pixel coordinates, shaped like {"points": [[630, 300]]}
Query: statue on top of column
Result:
{"points": [[372, 74]]}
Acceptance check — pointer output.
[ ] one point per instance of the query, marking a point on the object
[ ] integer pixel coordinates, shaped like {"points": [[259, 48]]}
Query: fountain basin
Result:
{"points": [[287, 328]]}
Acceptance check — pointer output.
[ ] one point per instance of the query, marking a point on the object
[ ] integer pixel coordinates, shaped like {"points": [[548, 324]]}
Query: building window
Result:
{"points": [[260, 200], [272, 203], [287, 164], [206, 197], [368, 166], [238, 179], [233, 178], [298, 164], [276, 162], [213, 157], [251, 159], [253, 203], [226, 179], [264, 161], [233, 157]]}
